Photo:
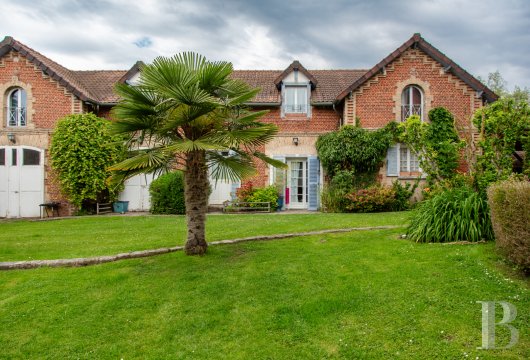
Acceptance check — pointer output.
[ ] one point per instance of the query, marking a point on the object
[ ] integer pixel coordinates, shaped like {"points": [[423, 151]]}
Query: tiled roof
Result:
{"points": [[100, 84], [330, 83]]}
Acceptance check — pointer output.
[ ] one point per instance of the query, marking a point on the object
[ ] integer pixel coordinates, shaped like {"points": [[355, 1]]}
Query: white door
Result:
{"points": [[297, 184], [21, 181], [221, 192], [136, 192]]}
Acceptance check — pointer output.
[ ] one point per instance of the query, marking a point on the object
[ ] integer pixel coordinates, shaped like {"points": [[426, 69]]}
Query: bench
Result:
{"points": [[103, 208], [49, 206], [246, 207]]}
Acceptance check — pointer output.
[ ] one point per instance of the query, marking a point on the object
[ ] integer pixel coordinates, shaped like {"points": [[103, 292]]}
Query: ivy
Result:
{"points": [[504, 128], [436, 142], [82, 148], [354, 149]]}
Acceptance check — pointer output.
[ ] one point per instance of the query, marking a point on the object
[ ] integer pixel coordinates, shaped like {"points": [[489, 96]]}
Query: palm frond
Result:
{"points": [[273, 162], [231, 168]]}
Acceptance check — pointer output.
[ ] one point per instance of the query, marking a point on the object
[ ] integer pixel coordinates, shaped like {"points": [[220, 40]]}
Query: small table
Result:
{"points": [[53, 206]]}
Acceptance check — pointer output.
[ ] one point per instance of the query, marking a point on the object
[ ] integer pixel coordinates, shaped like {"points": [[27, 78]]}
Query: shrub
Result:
{"points": [[402, 195], [82, 148], [167, 194], [373, 199], [458, 214], [244, 192], [266, 194], [510, 215]]}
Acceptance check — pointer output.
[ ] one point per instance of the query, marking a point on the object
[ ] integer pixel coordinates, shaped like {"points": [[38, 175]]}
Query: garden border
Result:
{"points": [[78, 262]]}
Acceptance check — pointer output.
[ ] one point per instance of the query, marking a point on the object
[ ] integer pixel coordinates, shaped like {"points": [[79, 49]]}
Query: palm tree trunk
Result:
{"points": [[196, 190]]}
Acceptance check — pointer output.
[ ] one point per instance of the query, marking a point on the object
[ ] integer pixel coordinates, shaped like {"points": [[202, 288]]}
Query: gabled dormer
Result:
{"points": [[295, 84]]}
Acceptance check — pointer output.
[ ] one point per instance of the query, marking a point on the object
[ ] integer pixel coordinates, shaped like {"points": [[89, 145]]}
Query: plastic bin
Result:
{"points": [[121, 206]]}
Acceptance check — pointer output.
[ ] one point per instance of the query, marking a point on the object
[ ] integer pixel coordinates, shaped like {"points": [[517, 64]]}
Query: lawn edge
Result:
{"points": [[78, 262]]}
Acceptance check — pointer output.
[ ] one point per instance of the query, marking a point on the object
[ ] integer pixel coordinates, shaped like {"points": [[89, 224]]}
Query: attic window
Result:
{"points": [[295, 99]]}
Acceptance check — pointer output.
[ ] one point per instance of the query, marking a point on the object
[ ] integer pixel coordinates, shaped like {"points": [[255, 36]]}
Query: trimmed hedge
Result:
{"points": [[167, 194], [509, 201]]}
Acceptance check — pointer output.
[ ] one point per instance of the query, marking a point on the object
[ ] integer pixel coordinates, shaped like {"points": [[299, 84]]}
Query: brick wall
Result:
{"points": [[322, 120], [377, 102], [47, 101]]}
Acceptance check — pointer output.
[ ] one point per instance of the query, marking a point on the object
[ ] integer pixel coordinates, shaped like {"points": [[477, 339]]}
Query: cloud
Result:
{"points": [[480, 35]]}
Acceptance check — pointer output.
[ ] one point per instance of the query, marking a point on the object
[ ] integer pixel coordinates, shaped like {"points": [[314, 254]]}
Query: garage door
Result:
{"points": [[136, 192], [21, 181]]}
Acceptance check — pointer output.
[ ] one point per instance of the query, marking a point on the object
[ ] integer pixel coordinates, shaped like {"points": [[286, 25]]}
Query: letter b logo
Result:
{"points": [[488, 324]]}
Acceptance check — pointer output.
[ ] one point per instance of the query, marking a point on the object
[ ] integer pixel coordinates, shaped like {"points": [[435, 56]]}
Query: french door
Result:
{"points": [[297, 184]]}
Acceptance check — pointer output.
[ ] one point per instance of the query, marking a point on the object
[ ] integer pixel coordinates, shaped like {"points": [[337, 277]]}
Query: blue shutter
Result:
{"points": [[314, 179], [392, 161], [233, 190], [309, 100], [282, 105], [275, 170]]}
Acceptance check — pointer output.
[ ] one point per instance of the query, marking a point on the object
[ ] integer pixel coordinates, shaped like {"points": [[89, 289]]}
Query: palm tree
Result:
{"points": [[189, 112]]}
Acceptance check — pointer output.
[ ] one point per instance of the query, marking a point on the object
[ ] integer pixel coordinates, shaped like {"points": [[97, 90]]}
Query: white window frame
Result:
{"points": [[19, 110], [408, 169], [296, 88], [410, 88]]}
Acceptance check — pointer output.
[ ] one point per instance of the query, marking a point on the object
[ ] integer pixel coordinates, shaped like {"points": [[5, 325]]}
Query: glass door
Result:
{"points": [[297, 183]]}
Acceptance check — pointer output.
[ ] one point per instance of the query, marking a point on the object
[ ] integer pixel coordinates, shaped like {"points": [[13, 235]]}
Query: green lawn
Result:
{"points": [[107, 235], [354, 295]]}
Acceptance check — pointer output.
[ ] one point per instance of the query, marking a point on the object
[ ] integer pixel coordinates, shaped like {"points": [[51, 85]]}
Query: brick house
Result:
{"points": [[36, 91]]}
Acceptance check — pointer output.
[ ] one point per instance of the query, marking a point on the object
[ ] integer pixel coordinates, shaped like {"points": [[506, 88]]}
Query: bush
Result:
{"points": [[510, 215], [167, 194], [266, 194], [402, 195], [82, 148], [458, 214], [373, 199]]}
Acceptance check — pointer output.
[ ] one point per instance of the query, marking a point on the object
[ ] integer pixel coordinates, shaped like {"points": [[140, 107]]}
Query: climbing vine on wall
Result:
{"points": [[354, 149], [504, 128], [436, 142], [81, 150]]}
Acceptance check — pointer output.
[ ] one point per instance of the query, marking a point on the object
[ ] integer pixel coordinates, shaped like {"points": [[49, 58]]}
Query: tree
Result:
{"points": [[82, 148], [189, 111], [500, 87], [505, 128]]}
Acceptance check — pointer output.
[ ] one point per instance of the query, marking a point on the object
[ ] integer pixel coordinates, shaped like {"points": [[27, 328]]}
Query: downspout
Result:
{"points": [[340, 115]]}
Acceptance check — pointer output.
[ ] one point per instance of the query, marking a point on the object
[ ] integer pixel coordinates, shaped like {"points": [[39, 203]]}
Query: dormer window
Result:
{"points": [[296, 99], [296, 84]]}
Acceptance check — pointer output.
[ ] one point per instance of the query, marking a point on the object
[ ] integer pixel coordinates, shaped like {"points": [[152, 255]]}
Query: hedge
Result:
{"points": [[167, 194], [509, 202]]}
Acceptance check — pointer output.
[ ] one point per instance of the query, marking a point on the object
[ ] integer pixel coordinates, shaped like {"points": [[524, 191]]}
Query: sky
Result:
{"points": [[481, 36]]}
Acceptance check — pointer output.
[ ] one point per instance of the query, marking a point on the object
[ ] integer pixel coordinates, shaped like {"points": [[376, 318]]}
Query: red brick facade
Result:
{"points": [[337, 97], [378, 101]]}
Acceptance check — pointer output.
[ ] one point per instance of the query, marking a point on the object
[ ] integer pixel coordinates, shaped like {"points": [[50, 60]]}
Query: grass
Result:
{"points": [[98, 235], [334, 296]]}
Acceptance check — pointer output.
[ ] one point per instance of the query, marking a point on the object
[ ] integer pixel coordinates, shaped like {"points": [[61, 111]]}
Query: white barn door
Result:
{"points": [[136, 192], [21, 181]]}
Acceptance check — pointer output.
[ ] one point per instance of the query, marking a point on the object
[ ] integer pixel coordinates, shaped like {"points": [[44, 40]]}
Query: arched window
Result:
{"points": [[411, 102], [16, 107]]}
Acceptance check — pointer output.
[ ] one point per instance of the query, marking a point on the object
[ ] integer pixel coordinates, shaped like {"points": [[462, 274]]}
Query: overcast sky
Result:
{"points": [[481, 36]]}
